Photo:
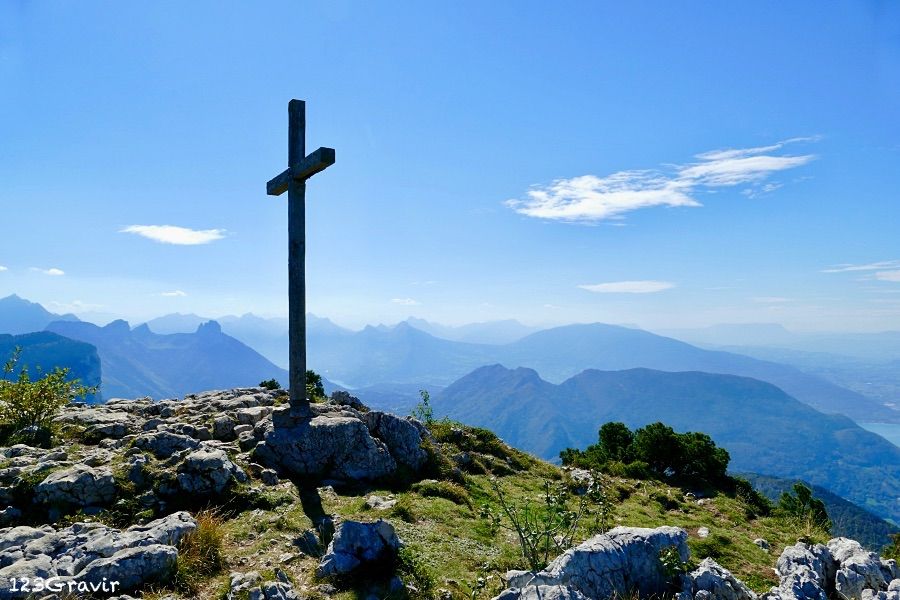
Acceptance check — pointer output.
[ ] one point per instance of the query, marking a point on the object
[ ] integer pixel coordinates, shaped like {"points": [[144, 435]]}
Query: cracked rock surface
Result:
{"points": [[91, 552]]}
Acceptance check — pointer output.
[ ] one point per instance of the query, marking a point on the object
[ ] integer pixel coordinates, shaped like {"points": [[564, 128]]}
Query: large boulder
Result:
{"points": [[207, 472], [806, 572], [330, 445], [132, 567], [857, 569], [77, 486], [355, 545], [164, 444], [717, 582], [618, 563], [402, 436]]}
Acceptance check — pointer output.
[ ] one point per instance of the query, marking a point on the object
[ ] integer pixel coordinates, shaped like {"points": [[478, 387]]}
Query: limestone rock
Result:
{"points": [[402, 436], [857, 569], [250, 585], [207, 472], [378, 503], [78, 486], [133, 567], [542, 592], [91, 551], [342, 398], [718, 581], [623, 560], [356, 544], [330, 446], [806, 572], [164, 444]]}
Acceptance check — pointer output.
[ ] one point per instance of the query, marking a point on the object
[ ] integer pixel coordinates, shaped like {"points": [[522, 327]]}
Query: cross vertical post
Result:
{"points": [[293, 181], [297, 259]]}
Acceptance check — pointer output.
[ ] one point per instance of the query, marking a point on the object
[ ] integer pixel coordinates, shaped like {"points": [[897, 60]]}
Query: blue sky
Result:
{"points": [[662, 164]]}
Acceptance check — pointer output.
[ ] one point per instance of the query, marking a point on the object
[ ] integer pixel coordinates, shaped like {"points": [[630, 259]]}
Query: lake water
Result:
{"points": [[889, 431]]}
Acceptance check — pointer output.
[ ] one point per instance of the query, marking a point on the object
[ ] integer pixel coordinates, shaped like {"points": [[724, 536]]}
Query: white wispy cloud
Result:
{"points": [[893, 276], [875, 266], [589, 198], [629, 287], [2, 268], [172, 234], [174, 294], [405, 301], [54, 272]]}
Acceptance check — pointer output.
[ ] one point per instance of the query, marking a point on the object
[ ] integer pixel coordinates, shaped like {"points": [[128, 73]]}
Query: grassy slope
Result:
{"points": [[453, 546]]}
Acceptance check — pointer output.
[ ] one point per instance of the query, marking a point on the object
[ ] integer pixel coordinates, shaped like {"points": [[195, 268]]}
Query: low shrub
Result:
{"points": [[443, 489], [200, 553], [27, 408]]}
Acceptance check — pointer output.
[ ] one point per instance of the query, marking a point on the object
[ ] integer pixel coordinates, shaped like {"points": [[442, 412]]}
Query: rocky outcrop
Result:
{"points": [[342, 443], [617, 563], [79, 486], [356, 545], [251, 585], [92, 553], [710, 581], [402, 436], [858, 569], [843, 569], [208, 472]]}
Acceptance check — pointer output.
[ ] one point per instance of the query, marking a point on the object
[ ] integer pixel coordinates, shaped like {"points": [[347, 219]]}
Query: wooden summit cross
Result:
{"points": [[293, 180]]}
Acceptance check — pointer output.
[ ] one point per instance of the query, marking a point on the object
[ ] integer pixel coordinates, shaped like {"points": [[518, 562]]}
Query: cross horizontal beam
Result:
{"points": [[317, 161]]}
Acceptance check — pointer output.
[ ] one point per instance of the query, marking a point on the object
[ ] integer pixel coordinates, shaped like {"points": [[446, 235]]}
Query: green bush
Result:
{"points": [[315, 391], [892, 550], [27, 407], [803, 508], [654, 451], [665, 501], [546, 528], [405, 511], [755, 503], [714, 546], [423, 411], [270, 384], [443, 489], [413, 568]]}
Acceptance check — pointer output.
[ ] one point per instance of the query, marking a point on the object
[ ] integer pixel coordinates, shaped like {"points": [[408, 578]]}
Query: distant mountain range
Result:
{"points": [[43, 351], [882, 346], [383, 360], [405, 355], [763, 428], [18, 316], [488, 332], [269, 336], [137, 362]]}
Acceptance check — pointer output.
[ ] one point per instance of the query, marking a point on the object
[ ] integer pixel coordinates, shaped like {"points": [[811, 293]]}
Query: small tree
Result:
{"points": [[802, 506], [315, 391], [27, 407], [549, 527], [423, 411]]}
